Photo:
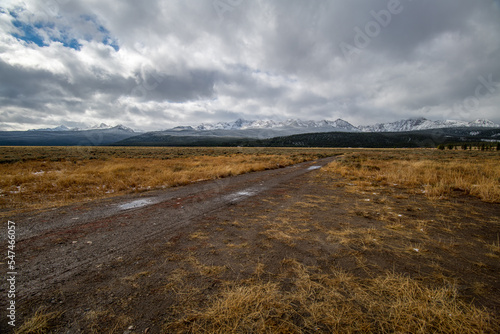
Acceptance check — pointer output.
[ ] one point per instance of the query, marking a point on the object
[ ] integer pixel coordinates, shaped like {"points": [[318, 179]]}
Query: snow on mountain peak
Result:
{"points": [[57, 128], [421, 123], [101, 126], [241, 124], [301, 126], [122, 128], [411, 124], [483, 123]]}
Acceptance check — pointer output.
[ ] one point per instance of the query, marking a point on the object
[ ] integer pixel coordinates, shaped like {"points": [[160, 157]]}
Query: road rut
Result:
{"points": [[56, 245]]}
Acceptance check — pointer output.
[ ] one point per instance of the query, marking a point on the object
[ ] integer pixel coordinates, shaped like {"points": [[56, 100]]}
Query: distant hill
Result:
{"points": [[101, 126], [52, 137]]}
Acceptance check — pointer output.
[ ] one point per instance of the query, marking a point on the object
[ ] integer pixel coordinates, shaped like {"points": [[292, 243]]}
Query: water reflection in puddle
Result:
{"points": [[135, 204]]}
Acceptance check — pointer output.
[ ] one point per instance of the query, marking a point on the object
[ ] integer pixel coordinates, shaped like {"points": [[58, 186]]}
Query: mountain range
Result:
{"points": [[64, 136], [241, 124], [269, 128], [406, 133], [414, 124], [339, 125], [101, 126], [229, 133]]}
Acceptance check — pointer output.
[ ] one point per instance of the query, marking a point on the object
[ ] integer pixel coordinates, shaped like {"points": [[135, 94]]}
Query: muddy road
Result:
{"points": [[56, 246]]}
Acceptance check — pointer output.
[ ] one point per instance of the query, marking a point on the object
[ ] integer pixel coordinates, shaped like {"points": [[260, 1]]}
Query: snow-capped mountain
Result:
{"points": [[122, 128], [241, 124], [483, 123], [411, 124], [340, 131], [414, 124], [64, 136], [269, 128], [101, 126], [57, 128]]}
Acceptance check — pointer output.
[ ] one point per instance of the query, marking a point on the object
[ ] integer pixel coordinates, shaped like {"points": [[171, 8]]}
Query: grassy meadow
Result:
{"points": [[43, 177], [408, 255], [437, 174]]}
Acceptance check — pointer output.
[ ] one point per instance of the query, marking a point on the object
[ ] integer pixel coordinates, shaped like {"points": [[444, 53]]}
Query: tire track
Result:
{"points": [[64, 251]]}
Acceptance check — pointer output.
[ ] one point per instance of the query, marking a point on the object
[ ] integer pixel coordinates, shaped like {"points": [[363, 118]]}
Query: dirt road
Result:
{"points": [[56, 246]]}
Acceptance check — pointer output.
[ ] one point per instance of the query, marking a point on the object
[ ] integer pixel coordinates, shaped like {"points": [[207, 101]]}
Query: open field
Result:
{"points": [[44, 177], [436, 174], [381, 241]]}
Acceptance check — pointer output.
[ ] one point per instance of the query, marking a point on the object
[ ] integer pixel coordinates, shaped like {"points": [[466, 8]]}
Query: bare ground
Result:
{"points": [[116, 266]]}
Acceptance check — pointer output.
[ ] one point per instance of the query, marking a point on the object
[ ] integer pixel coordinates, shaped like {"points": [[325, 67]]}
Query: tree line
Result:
{"points": [[471, 146]]}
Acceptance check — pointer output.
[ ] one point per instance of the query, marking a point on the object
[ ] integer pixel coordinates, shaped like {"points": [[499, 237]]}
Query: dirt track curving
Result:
{"points": [[58, 245]]}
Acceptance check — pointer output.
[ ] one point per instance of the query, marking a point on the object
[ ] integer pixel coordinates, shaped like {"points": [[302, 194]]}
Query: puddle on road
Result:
{"points": [[239, 195], [314, 167], [244, 193], [135, 204]]}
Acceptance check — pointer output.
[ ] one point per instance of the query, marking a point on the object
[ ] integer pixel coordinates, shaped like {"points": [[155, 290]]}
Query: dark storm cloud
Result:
{"points": [[27, 88], [192, 85], [35, 88]]}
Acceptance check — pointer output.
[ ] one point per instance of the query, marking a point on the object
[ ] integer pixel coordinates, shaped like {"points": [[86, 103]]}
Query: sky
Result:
{"points": [[153, 65]]}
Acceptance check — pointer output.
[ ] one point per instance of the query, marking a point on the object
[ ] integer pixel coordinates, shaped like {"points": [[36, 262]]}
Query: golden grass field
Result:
{"points": [[340, 302], [437, 174], [43, 177], [358, 292], [379, 241]]}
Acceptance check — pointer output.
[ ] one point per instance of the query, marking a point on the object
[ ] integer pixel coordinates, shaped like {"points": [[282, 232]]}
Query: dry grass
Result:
{"points": [[136, 276], [32, 179], [335, 303], [369, 297], [360, 238], [203, 269], [495, 246], [284, 230], [436, 174], [39, 323], [97, 317], [198, 235]]}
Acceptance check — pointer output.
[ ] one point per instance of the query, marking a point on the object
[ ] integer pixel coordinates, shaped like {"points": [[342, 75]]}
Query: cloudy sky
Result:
{"points": [[155, 64]]}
